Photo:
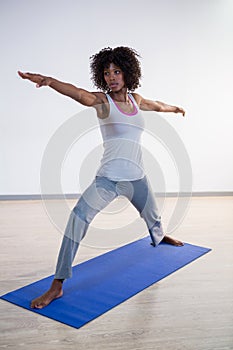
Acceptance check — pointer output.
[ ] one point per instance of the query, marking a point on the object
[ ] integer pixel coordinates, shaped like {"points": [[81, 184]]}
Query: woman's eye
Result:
{"points": [[117, 72], [106, 73]]}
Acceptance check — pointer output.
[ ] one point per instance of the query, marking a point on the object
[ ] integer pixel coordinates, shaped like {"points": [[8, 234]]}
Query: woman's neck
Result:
{"points": [[120, 96]]}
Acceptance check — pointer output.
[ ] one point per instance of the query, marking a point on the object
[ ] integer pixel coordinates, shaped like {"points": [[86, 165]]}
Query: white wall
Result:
{"points": [[187, 54]]}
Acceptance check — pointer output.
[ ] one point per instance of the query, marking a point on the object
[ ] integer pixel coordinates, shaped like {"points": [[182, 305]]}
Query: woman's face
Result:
{"points": [[114, 77]]}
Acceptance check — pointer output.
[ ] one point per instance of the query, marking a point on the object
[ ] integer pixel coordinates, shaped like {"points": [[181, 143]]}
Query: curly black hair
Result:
{"points": [[123, 57]]}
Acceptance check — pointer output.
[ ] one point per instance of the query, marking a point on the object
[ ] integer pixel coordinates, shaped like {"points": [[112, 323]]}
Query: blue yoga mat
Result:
{"points": [[104, 282]]}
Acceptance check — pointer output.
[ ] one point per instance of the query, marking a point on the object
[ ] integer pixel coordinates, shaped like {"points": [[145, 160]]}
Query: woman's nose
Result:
{"points": [[111, 76]]}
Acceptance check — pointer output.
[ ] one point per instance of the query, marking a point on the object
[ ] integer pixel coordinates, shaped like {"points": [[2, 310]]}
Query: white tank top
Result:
{"points": [[121, 132]]}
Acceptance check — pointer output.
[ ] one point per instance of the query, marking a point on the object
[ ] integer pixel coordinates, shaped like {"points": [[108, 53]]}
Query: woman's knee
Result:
{"points": [[84, 211]]}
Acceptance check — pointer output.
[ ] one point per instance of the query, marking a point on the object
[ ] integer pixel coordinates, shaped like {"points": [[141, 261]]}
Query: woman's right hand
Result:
{"points": [[86, 98], [38, 79]]}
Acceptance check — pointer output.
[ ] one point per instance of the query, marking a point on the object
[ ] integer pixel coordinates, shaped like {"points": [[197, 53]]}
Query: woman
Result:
{"points": [[116, 72]]}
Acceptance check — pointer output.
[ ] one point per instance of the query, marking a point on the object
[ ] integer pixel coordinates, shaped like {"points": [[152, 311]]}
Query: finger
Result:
{"points": [[22, 75], [25, 75]]}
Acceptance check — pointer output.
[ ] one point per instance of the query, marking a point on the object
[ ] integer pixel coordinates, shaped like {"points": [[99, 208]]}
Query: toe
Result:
{"points": [[36, 304]]}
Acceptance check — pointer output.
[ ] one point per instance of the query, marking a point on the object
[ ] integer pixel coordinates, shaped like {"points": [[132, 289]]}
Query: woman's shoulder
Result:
{"points": [[137, 98], [101, 97]]}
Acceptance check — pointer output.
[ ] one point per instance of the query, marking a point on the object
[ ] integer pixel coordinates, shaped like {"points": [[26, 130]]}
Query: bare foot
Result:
{"points": [[54, 292], [172, 241]]}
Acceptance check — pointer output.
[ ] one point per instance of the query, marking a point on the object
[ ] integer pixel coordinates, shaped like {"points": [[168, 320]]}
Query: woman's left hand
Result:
{"points": [[180, 110]]}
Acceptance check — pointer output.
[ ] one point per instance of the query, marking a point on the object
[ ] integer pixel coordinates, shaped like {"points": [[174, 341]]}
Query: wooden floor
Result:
{"points": [[192, 309]]}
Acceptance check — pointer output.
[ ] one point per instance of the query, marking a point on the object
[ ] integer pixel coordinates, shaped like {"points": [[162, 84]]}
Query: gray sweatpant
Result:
{"points": [[95, 198]]}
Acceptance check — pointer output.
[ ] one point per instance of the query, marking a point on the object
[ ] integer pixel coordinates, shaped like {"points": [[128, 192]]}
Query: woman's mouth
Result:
{"points": [[112, 85]]}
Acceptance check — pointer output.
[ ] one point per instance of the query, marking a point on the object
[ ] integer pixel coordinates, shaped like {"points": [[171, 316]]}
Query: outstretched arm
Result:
{"points": [[157, 106], [82, 96]]}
